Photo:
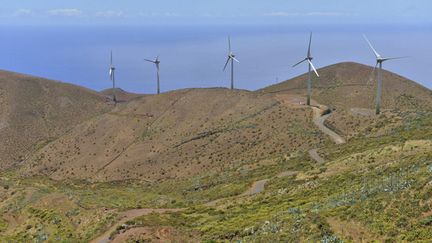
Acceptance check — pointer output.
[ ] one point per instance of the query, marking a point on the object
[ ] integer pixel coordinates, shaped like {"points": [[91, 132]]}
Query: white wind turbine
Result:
{"points": [[112, 77], [157, 63], [379, 62], [311, 66], [232, 58]]}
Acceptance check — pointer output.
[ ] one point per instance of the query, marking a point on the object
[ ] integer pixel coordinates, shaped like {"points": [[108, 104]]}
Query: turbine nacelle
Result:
{"points": [[231, 58], [379, 62], [308, 58], [155, 61], [111, 74]]}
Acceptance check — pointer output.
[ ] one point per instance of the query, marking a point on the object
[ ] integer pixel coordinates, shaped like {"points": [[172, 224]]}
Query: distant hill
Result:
{"points": [[344, 85], [34, 111], [121, 95]]}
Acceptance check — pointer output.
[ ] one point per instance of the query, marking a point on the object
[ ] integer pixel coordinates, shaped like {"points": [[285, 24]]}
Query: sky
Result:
{"points": [[144, 12], [69, 40]]}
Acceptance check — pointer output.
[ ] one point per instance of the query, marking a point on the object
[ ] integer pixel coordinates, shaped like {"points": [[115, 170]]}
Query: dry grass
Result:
{"points": [[34, 111], [177, 135]]}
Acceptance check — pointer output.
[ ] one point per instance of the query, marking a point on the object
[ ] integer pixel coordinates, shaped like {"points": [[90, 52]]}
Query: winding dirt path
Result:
{"points": [[129, 215], [292, 100], [313, 153], [319, 122], [257, 187]]}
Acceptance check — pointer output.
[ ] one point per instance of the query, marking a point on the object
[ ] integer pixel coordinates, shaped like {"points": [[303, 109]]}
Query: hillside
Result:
{"points": [[176, 135], [345, 86], [121, 95], [34, 111], [219, 165]]}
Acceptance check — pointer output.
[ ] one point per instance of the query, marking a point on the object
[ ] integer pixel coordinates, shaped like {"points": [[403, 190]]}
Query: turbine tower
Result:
{"points": [[379, 62], [112, 77], [157, 63], [231, 58], [311, 66]]}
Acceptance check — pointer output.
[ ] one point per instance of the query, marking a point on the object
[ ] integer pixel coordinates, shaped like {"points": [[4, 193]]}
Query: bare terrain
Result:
{"points": [[177, 134], [35, 111]]}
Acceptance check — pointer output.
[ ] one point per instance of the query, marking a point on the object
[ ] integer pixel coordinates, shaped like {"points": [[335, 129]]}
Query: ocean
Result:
{"points": [[194, 56]]}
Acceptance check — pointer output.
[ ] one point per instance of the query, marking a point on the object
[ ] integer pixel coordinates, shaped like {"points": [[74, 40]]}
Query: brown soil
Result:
{"points": [[129, 215], [176, 135], [35, 111], [157, 235], [121, 95]]}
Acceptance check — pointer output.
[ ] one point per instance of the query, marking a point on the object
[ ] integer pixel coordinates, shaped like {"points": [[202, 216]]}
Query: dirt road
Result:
{"points": [[315, 156], [319, 122], [129, 215]]}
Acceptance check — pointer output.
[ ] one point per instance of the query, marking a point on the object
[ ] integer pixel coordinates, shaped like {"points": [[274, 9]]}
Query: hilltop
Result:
{"points": [[350, 85], [35, 111], [121, 95], [350, 89]]}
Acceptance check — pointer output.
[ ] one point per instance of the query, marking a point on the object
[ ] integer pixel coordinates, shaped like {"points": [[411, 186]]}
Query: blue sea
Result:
{"points": [[193, 56]]}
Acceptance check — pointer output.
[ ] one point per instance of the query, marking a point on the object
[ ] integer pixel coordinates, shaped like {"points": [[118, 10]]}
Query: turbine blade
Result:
{"points": [[236, 60], [394, 58], [299, 62], [310, 43], [313, 67], [226, 64], [149, 60], [377, 55]]}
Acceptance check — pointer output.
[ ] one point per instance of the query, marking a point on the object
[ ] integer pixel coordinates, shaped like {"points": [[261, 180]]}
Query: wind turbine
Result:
{"points": [[112, 77], [309, 59], [232, 58], [379, 62], [157, 63]]}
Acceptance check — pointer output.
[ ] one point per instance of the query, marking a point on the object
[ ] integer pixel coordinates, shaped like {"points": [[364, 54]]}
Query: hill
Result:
{"points": [[217, 165], [177, 134], [345, 86], [121, 95], [35, 111]]}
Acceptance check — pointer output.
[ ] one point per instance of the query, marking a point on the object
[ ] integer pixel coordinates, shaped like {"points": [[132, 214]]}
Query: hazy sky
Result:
{"points": [[70, 40], [48, 12]]}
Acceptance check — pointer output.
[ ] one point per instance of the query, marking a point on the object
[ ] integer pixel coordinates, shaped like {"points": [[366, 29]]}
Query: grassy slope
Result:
{"points": [[379, 185]]}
